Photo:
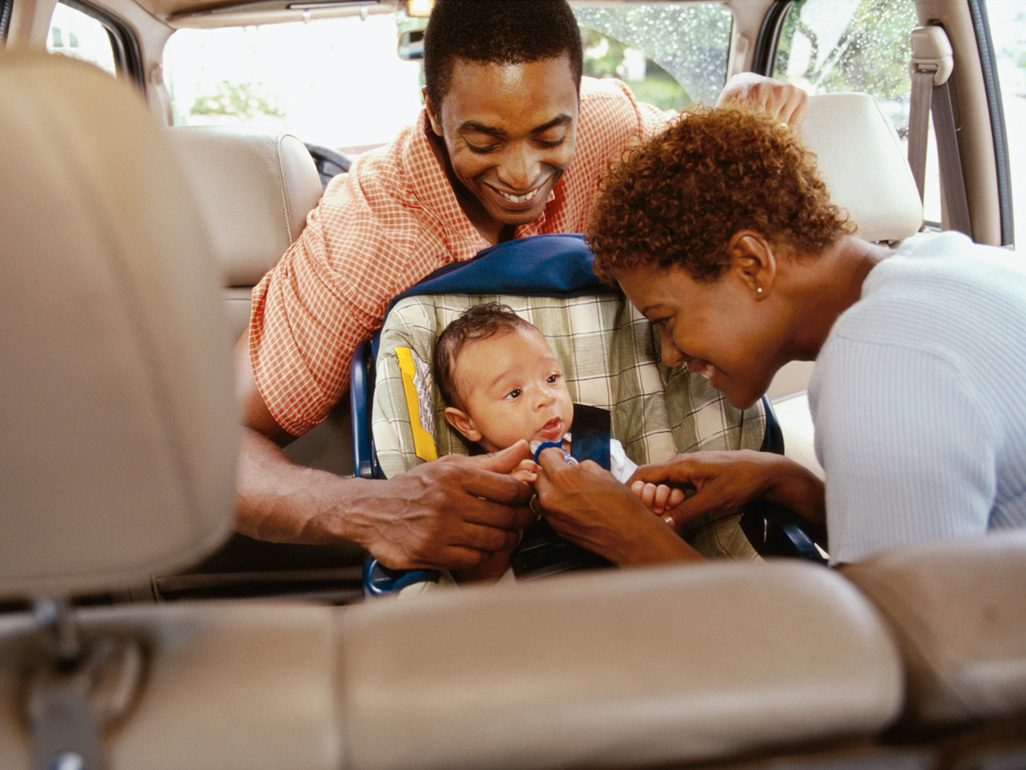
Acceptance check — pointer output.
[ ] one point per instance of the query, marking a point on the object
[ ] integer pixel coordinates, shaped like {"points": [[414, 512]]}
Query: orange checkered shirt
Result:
{"points": [[391, 221]]}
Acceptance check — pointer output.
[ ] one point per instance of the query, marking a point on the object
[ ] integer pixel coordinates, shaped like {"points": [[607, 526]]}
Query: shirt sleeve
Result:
{"points": [[907, 448], [329, 293]]}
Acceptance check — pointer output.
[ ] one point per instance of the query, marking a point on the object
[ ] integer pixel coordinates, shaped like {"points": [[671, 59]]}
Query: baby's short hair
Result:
{"points": [[475, 323]]}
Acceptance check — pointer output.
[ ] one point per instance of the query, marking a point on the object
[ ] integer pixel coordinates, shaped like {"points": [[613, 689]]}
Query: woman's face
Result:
{"points": [[716, 329]]}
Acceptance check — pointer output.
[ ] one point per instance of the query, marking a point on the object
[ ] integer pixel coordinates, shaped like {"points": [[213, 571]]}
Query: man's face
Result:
{"points": [[510, 132]]}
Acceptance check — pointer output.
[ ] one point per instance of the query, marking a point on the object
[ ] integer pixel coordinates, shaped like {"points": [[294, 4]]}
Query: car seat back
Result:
{"points": [[119, 417], [254, 191]]}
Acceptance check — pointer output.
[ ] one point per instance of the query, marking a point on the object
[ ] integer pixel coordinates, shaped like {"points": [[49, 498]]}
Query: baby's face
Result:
{"points": [[513, 388]]}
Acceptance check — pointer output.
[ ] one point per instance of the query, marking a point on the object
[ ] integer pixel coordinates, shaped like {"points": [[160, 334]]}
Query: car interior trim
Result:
{"points": [[981, 26]]}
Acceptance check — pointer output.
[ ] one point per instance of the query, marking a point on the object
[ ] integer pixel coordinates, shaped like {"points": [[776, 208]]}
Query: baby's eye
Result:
{"points": [[515, 393], [553, 378]]}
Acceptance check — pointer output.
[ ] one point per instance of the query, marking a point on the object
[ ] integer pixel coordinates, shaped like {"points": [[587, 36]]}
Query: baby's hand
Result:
{"points": [[657, 497], [527, 471]]}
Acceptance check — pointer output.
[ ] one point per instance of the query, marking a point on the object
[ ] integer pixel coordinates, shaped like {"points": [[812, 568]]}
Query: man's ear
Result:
{"points": [[754, 261], [461, 422], [434, 117]]}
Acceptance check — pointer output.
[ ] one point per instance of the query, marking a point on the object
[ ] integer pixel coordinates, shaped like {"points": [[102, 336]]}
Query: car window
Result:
{"points": [[671, 56], [1008, 33], [74, 33], [827, 46], [340, 83]]}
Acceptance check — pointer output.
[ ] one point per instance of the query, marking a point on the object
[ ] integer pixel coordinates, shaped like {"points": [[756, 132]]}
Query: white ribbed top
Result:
{"points": [[919, 399]]}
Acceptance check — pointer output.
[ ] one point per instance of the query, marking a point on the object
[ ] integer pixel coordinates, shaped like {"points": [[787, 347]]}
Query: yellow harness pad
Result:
{"points": [[423, 441]]}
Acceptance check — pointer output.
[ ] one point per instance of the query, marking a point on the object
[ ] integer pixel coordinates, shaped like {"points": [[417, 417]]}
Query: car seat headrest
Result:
{"points": [[863, 164], [255, 190], [119, 421]]}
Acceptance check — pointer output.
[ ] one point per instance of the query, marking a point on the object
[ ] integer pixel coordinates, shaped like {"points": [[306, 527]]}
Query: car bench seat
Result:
{"points": [[118, 461]]}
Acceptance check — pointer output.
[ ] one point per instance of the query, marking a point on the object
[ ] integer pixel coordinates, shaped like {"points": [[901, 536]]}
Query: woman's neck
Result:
{"points": [[835, 284]]}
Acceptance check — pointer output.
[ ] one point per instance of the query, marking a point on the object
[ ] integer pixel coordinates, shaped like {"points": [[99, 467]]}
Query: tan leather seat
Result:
{"points": [[254, 191], [958, 614]]}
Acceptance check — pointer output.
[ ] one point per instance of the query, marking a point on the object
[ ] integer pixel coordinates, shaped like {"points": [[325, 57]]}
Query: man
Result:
{"points": [[511, 143]]}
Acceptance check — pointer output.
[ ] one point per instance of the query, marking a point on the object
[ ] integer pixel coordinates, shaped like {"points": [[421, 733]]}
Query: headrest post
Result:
{"points": [[57, 622]]}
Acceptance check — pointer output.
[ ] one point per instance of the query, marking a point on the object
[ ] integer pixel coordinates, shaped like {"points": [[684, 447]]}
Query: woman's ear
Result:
{"points": [[754, 261], [461, 422]]}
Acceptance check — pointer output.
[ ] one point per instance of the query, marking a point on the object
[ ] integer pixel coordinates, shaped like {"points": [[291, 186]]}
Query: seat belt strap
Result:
{"points": [[591, 434], [919, 126], [931, 67], [952, 176]]}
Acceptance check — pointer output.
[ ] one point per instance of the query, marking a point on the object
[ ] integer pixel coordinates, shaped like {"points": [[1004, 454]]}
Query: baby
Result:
{"points": [[502, 384]]}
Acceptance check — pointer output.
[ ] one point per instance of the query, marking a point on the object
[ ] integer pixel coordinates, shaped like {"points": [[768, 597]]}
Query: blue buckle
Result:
{"points": [[381, 581]]}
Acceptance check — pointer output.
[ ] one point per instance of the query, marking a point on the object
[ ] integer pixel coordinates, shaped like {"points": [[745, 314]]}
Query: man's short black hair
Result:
{"points": [[497, 32]]}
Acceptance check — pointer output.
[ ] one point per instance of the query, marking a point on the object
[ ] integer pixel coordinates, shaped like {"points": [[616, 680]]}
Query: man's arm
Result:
{"points": [[452, 513]]}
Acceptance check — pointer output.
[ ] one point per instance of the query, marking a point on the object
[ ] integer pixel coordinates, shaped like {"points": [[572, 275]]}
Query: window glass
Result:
{"points": [[1008, 34], [76, 34], [670, 56], [835, 46], [340, 82]]}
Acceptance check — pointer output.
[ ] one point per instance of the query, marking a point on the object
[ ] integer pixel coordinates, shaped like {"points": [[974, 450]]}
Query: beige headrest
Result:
{"points": [[864, 165], [118, 421], [959, 616], [254, 190]]}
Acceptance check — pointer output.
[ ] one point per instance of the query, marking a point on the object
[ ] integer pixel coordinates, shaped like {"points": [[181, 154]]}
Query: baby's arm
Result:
{"points": [[657, 497]]}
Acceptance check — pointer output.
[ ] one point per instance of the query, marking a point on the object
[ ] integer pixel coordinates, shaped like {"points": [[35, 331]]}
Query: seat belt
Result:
{"points": [[932, 64]]}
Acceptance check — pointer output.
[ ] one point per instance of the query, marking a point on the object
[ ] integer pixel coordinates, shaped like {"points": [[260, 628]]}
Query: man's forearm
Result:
{"points": [[279, 501]]}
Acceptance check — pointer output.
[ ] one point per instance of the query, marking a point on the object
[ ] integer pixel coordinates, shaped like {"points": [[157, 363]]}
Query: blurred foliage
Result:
{"points": [[871, 54], [685, 47], [240, 100]]}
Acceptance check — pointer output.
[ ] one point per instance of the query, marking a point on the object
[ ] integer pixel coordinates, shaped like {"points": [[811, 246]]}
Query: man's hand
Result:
{"points": [[784, 101], [453, 513]]}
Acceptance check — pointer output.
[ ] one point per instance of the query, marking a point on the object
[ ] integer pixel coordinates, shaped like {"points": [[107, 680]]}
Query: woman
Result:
{"points": [[722, 234]]}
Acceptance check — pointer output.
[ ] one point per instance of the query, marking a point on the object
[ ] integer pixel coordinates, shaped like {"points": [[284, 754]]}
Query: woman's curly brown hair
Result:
{"points": [[677, 199]]}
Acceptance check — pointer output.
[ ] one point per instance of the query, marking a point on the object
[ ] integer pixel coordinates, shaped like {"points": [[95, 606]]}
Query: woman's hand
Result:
{"points": [[729, 479], [587, 506]]}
